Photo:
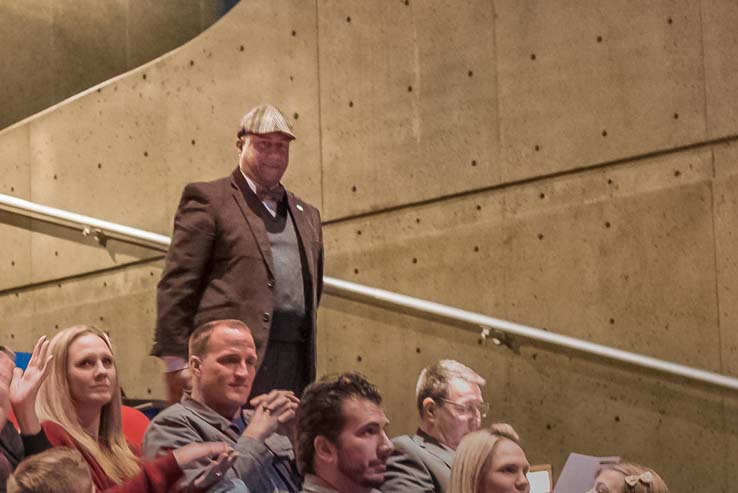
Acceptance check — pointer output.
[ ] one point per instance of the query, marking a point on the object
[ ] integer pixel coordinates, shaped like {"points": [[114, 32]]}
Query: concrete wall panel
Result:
{"points": [[726, 235], [15, 258], [17, 20], [719, 19], [590, 82], [408, 107]]}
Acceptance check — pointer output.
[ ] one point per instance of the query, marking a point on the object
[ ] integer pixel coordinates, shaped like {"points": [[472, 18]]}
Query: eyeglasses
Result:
{"points": [[471, 408]]}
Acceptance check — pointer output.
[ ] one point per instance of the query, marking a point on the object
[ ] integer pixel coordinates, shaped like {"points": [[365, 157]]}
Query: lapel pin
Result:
{"points": [[299, 207]]}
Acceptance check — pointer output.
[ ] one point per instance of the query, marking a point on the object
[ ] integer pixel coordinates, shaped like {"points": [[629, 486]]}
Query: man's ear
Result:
{"points": [[429, 408], [325, 450], [195, 363]]}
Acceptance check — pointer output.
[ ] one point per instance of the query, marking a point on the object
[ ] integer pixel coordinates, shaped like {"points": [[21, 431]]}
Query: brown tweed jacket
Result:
{"points": [[220, 265]]}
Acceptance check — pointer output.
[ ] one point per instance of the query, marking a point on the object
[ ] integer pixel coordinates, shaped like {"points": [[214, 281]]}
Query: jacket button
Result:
{"points": [[270, 283], [266, 317]]}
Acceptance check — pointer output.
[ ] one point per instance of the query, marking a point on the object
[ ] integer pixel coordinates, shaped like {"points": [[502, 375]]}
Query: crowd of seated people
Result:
{"points": [[220, 438]]}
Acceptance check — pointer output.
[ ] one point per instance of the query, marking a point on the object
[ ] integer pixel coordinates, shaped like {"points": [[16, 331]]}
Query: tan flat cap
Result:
{"points": [[265, 119]]}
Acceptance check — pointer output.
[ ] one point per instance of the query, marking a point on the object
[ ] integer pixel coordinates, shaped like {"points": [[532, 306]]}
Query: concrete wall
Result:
{"points": [[569, 165], [53, 49]]}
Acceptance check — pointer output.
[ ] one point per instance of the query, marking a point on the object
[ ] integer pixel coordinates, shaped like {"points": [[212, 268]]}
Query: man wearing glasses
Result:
{"points": [[449, 400]]}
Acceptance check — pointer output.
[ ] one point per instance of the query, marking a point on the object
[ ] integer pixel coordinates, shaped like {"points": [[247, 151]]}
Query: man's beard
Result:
{"points": [[357, 474]]}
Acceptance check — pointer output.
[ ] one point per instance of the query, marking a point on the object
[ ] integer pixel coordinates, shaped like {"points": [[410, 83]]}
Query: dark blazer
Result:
{"points": [[220, 265], [419, 463]]}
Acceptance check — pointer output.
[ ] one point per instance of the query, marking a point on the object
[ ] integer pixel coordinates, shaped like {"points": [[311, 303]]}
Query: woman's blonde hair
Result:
{"points": [[637, 478], [55, 403], [473, 456]]}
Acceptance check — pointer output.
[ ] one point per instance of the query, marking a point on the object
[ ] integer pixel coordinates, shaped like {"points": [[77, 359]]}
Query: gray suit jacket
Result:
{"points": [[191, 422], [418, 464]]}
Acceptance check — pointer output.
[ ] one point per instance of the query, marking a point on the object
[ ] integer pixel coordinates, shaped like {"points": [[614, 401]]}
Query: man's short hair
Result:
{"points": [[434, 379], [321, 412], [57, 470], [198, 344]]}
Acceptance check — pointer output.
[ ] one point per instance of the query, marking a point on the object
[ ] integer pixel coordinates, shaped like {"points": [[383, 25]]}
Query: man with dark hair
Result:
{"points": [[341, 442], [449, 401], [223, 364], [245, 248]]}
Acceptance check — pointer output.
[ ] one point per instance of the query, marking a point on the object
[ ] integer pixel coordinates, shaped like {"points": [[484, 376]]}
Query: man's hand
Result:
{"points": [[25, 387], [271, 410], [177, 382]]}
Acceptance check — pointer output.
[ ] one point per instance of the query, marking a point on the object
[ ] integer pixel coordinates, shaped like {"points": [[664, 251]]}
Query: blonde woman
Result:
{"points": [[627, 477], [490, 461], [79, 404]]}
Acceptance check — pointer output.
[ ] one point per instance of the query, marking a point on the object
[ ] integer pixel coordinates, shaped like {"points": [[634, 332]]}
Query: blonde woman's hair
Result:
{"points": [[57, 470], [111, 451], [474, 454], [637, 478]]}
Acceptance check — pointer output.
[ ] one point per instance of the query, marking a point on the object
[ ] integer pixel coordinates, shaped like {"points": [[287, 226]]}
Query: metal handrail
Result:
{"points": [[337, 287]]}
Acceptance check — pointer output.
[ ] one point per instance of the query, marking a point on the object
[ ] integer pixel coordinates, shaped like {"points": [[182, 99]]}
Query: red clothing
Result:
{"points": [[156, 476]]}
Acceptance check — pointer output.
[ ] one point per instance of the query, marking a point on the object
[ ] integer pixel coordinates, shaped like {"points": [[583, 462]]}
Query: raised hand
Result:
{"points": [[271, 410], [25, 385]]}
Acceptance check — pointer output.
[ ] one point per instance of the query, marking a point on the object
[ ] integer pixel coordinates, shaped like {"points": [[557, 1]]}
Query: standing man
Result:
{"points": [[341, 444], [245, 248], [449, 401]]}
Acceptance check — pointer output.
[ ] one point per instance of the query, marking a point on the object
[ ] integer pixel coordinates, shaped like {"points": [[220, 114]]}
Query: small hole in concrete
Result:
{"points": [[12, 336], [604, 133], [56, 254], [292, 79], [542, 195], [607, 224], [146, 153], [56, 326], [407, 2], [548, 426], [358, 232], [540, 236], [151, 274], [12, 263], [99, 165], [617, 419], [59, 285], [476, 248], [296, 116], [356, 271], [470, 73], [358, 358], [479, 207], [241, 48], [294, 33], [609, 181], [417, 220], [612, 321], [105, 284], [12, 189], [55, 177], [192, 63], [677, 173], [143, 76], [353, 188], [417, 350], [192, 142], [415, 260], [102, 318], [351, 104], [676, 116], [669, 20], [148, 391], [348, 19], [409, 88], [537, 147], [599, 39], [474, 162]]}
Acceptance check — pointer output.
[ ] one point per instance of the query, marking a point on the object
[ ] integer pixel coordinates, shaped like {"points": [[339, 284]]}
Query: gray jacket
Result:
{"points": [[418, 464], [261, 465]]}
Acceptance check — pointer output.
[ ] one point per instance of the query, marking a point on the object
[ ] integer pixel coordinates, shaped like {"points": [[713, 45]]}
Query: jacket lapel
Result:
{"points": [[443, 454], [249, 206]]}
